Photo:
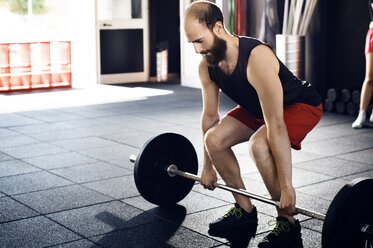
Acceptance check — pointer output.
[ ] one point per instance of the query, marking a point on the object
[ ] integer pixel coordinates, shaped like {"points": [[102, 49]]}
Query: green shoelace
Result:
{"points": [[237, 212], [281, 226]]}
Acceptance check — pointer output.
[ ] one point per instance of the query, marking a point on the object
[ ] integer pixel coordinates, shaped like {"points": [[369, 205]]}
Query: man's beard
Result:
{"points": [[217, 52]]}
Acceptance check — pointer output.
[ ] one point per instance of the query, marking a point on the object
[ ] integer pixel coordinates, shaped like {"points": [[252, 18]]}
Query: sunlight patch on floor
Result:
{"points": [[74, 97]]}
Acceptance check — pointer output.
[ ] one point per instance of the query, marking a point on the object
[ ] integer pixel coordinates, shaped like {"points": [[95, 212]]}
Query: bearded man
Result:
{"points": [[275, 112]]}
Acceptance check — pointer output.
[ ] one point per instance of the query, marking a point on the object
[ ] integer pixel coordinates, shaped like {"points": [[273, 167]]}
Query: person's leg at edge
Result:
{"points": [[218, 141], [261, 154], [366, 91]]}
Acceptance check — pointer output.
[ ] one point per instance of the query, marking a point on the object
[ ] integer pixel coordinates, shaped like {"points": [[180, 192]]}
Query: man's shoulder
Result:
{"points": [[262, 50], [203, 66], [261, 60], [204, 72]]}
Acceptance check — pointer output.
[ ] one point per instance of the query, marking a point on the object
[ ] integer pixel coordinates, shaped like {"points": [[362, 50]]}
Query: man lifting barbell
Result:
{"points": [[166, 167], [274, 108]]}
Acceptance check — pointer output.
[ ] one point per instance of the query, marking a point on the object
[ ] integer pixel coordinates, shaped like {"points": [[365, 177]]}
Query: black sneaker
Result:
{"points": [[237, 226], [285, 234]]}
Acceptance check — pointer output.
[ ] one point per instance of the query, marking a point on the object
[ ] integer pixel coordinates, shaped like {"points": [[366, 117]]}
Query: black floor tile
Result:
{"points": [[102, 218], [33, 150], [300, 177], [311, 239], [31, 182], [34, 232], [321, 133], [38, 128], [112, 153], [365, 156], [139, 123], [6, 132], [84, 143], [64, 134], [60, 160], [342, 145], [193, 202], [129, 136], [17, 140], [12, 120], [117, 188], [91, 172], [334, 167], [15, 167], [366, 174], [330, 119], [5, 157], [324, 190], [304, 156], [313, 224], [83, 243], [158, 234], [11, 210], [313, 203], [52, 115], [64, 198]]}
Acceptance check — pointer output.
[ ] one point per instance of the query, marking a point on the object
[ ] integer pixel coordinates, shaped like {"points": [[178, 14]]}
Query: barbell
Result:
{"points": [[165, 172]]}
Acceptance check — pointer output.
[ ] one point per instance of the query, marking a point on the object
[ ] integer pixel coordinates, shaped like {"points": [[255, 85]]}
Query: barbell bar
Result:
{"points": [[173, 170], [166, 163]]}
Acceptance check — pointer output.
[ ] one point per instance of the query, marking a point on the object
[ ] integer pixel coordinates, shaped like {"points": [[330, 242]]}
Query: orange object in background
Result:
{"points": [[4, 67], [40, 65], [60, 63], [35, 65]]}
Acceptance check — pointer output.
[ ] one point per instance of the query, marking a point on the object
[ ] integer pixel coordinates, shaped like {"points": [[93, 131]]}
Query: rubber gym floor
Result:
{"points": [[66, 179]]}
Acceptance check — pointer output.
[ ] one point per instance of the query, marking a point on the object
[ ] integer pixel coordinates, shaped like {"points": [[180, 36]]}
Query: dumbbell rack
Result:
{"points": [[34, 65], [342, 101]]}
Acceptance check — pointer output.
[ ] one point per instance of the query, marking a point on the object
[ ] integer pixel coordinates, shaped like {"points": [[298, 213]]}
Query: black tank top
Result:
{"points": [[237, 87]]}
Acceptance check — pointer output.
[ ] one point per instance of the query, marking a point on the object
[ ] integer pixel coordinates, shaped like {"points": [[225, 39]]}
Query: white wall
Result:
{"points": [[105, 11], [83, 42]]}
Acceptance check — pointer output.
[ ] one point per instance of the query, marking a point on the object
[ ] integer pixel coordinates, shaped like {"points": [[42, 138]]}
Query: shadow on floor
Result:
{"points": [[155, 234]]}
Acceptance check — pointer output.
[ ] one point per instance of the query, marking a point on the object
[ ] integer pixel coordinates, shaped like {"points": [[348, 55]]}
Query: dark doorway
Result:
{"points": [[165, 27]]}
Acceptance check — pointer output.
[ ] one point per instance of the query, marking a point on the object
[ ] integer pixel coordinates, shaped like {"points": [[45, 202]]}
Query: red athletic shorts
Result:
{"points": [[299, 118], [369, 42]]}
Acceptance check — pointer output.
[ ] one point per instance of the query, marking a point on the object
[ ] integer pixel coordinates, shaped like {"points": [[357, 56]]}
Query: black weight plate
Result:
{"points": [[151, 177], [350, 209]]}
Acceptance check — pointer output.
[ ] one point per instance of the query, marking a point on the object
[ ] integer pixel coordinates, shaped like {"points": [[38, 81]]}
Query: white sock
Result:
{"points": [[358, 123], [371, 117]]}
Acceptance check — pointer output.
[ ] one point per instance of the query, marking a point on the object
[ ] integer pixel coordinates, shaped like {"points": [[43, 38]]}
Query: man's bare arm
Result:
{"points": [[262, 72], [210, 97]]}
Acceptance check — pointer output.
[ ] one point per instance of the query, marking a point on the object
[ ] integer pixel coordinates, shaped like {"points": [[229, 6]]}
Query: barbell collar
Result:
{"points": [[133, 158]]}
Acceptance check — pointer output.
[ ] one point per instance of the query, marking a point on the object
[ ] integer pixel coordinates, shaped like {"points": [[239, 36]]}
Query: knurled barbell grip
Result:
{"points": [[173, 169]]}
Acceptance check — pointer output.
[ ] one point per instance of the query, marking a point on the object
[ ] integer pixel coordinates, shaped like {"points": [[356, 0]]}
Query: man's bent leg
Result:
{"points": [[261, 154], [240, 223], [287, 230], [218, 141]]}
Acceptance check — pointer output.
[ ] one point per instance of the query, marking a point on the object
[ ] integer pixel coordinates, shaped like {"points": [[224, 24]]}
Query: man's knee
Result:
{"points": [[214, 141], [259, 150]]}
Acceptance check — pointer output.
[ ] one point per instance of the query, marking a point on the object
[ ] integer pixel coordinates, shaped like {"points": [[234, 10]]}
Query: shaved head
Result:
{"points": [[205, 12]]}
